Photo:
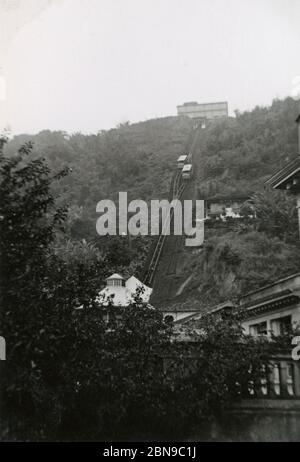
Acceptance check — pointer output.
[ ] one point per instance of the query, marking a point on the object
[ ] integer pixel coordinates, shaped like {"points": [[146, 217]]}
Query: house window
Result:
{"points": [[169, 319], [264, 381], [276, 379], [259, 328], [251, 385], [281, 326], [114, 282], [290, 379]]}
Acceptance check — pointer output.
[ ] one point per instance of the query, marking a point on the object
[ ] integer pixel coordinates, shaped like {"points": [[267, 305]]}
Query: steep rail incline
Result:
{"points": [[177, 189]]}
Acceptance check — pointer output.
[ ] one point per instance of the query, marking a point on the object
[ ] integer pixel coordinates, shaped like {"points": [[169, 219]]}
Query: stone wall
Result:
{"points": [[256, 420]]}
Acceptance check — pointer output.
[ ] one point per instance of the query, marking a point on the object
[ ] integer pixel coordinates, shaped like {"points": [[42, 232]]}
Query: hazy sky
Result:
{"points": [[86, 65]]}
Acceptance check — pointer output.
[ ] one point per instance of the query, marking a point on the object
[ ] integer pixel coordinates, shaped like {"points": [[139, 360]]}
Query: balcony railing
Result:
{"points": [[280, 378]]}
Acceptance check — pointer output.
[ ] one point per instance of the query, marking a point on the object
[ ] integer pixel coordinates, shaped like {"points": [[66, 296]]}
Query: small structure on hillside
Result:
{"points": [[120, 292], [224, 207]]}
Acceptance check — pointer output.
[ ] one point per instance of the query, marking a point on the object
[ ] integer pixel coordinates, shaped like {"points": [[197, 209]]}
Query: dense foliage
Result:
{"points": [[235, 157], [234, 264], [137, 158], [68, 374], [239, 154]]}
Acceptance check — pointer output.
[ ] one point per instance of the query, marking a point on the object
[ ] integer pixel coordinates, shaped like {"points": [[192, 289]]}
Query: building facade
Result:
{"points": [[203, 111], [273, 309]]}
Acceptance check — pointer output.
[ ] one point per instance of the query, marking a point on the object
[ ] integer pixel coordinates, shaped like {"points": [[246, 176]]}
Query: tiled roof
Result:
{"points": [[115, 276], [272, 303]]}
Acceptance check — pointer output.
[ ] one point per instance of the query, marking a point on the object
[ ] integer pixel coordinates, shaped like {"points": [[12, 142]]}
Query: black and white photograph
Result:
{"points": [[149, 224]]}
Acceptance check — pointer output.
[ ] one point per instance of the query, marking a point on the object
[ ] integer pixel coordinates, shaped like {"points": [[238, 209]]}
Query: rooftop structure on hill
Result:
{"points": [[203, 111]]}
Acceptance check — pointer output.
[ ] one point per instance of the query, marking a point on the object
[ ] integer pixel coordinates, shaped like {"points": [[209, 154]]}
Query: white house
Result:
{"points": [[121, 292]]}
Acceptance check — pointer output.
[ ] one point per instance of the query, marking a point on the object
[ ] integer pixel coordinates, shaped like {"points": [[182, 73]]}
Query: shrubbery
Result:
{"points": [[70, 376]]}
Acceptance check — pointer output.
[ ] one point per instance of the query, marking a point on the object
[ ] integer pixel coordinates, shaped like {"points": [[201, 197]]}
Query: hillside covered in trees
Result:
{"points": [[239, 154], [137, 158], [235, 157]]}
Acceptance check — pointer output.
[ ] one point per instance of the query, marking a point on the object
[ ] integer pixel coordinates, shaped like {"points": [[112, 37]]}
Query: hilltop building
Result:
{"points": [[203, 111]]}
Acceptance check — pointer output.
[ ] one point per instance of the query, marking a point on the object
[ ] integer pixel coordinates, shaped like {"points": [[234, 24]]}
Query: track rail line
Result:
{"points": [[177, 188], [177, 192]]}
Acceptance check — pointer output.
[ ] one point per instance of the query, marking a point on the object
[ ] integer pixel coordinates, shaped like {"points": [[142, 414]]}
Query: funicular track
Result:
{"points": [[177, 189]]}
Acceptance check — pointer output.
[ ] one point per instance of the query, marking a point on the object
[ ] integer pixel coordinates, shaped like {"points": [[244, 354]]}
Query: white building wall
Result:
{"points": [[206, 110]]}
